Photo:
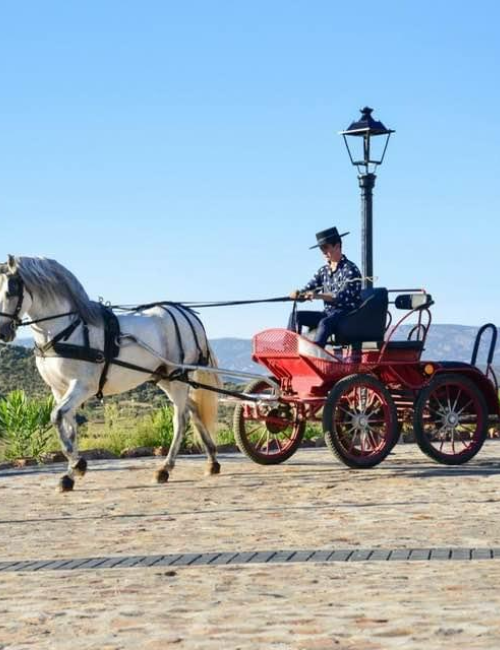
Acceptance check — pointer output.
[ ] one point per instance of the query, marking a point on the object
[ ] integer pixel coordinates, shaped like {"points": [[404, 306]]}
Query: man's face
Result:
{"points": [[332, 252]]}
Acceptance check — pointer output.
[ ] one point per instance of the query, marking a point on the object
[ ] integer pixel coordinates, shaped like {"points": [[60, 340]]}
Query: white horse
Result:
{"points": [[158, 339]]}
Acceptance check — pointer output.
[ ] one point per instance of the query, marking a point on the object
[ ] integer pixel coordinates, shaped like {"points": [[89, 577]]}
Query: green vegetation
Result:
{"points": [[139, 418], [25, 428]]}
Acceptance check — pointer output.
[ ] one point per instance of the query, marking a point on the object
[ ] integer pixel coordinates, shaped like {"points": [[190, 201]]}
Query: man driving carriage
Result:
{"points": [[337, 283]]}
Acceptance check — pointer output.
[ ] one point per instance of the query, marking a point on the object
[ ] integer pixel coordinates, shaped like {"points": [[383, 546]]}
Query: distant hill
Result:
{"points": [[445, 342], [18, 370]]}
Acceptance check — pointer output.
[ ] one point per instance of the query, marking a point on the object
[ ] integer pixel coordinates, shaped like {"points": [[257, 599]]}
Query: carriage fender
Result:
{"points": [[483, 383]]}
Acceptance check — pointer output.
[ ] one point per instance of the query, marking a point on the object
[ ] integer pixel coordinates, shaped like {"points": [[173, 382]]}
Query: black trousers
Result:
{"points": [[326, 324]]}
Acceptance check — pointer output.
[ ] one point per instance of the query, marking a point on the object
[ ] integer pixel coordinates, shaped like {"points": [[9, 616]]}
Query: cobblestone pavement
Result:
{"points": [[311, 502]]}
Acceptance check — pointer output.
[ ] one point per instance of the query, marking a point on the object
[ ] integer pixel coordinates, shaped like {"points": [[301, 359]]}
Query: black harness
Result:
{"points": [[58, 345], [15, 289]]}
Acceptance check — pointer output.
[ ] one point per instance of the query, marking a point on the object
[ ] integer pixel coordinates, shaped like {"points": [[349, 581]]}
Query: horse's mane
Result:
{"points": [[50, 280]]}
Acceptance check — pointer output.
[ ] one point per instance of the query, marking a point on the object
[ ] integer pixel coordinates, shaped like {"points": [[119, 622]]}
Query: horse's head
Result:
{"points": [[11, 299]]}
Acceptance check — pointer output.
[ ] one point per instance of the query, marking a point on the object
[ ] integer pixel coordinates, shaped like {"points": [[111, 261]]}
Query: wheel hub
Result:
{"points": [[360, 421], [276, 421], [451, 419]]}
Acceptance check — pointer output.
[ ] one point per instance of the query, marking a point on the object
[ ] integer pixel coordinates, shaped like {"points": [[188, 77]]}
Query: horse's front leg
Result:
{"points": [[63, 419]]}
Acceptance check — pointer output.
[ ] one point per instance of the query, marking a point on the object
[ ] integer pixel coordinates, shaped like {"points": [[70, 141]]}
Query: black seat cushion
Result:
{"points": [[367, 323], [406, 345]]}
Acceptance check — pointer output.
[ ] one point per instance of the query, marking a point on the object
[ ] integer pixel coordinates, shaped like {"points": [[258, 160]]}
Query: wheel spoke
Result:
{"points": [[464, 407], [356, 430], [448, 397], [256, 428], [371, 439], [456, 400], [261, 439]]}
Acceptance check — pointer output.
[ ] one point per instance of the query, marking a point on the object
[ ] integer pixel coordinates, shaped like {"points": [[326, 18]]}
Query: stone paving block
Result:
{"points": [[60, 565], [360, 555], [460, 554], [21, 566], [205, 558], [320, 556], [41, 564], [94, 563], [440, 553], [242, 558], [281, 556], [166, 560], [399, 554], [150, 560], [112, 562], [224, 558], [420, 554], [301, 556], [186, 559], [8, 566], [380, 555], [74, 564], [481, 554], [341, 555], [261, 557]]}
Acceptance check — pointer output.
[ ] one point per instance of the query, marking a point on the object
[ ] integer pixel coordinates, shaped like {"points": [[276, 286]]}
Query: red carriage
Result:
{"points": [[365, 387]]}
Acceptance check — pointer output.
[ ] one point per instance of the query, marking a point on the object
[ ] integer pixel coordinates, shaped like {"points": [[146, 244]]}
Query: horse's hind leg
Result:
{"points": [[178, 393], [63, 418], [206, 439]]}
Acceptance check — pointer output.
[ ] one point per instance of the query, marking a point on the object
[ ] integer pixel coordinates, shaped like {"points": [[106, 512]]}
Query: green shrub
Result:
{"points": [[225, 437], [163, 425], [313, 431], [117, 433], [153, 430], [25, 427]]}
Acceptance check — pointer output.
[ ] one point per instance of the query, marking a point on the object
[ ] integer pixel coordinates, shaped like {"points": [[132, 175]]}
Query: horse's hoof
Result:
{"points": [[162, 475], [81, 467], [66, 483], [213, 468]]}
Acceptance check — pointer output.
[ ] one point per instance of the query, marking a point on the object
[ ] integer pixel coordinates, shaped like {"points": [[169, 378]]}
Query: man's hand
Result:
{"points": [[298, 295]]}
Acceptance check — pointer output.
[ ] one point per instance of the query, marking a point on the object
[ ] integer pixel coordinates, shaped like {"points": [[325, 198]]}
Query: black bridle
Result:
{"points": [[15, 289]]}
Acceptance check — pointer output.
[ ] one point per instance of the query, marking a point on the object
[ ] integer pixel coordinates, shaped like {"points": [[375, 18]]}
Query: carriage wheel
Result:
{"points": [[451, 419], [267, 434], [360, 421]]}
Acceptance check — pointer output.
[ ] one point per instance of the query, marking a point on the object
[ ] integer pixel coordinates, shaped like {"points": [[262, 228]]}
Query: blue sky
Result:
{"points": [[189, 151]]}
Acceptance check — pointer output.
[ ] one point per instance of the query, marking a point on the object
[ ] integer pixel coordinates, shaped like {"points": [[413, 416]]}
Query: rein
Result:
{"points": [[162, 303], [108, 355], [199, 305]]}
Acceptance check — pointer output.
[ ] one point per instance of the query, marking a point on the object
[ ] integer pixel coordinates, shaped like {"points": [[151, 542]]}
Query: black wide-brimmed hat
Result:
{"points": [[328, 236]]}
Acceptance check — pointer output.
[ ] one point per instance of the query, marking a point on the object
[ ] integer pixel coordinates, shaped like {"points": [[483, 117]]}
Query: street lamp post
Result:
{"points": [[363, 130]]}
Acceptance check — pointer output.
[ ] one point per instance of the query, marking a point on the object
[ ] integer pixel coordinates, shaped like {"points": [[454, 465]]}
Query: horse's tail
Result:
{"points": [[207, 400]]}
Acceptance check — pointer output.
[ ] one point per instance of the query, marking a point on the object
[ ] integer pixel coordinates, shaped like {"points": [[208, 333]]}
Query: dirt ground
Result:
{"points": [[310, 502]]}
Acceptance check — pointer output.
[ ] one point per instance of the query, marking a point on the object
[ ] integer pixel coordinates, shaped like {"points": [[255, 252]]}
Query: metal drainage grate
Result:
{"points": [[254, 557]]}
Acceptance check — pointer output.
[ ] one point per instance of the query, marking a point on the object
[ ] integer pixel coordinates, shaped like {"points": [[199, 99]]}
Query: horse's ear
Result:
{"points": [[11, 263]]}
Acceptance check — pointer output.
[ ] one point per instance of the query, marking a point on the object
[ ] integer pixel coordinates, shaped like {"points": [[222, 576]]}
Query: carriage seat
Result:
{"points": [[368, 321]]}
